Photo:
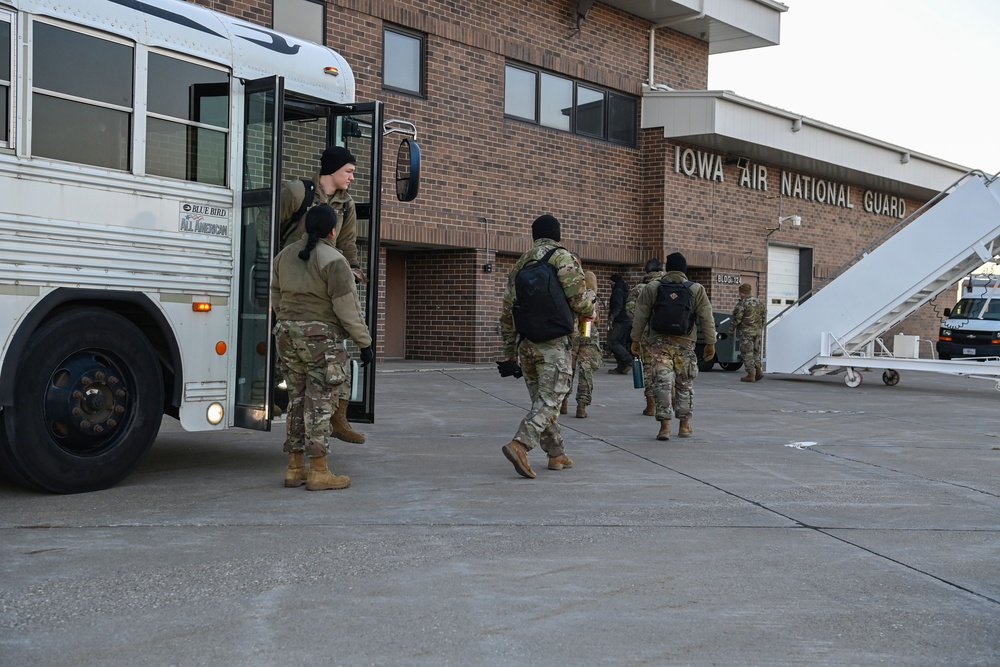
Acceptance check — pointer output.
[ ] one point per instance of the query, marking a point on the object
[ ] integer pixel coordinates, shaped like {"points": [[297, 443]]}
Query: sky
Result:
{"points": [[920, 74]]}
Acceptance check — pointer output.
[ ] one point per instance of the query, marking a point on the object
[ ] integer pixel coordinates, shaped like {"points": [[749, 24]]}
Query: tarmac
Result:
{"points": [[803, 523]]}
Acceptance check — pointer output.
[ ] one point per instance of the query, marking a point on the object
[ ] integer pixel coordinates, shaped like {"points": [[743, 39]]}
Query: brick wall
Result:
{"points": [[485, 178]]}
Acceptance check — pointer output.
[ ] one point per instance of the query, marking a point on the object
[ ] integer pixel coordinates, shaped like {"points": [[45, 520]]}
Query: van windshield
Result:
{"points": [[977, 309]]}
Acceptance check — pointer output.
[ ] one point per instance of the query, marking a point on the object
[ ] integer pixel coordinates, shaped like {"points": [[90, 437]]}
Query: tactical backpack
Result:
{"points": [[541, 311], [673, 310]]}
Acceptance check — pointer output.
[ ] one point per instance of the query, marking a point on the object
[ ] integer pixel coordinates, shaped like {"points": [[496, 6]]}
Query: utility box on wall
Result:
{"points": [[906, 347]]}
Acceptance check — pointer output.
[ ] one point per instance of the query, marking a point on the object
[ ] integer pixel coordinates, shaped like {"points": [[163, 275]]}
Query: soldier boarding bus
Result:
{"points": [[142, 148]]}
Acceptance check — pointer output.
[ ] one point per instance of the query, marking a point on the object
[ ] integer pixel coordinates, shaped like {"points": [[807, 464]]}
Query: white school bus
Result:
{"points": [[142, 148]]}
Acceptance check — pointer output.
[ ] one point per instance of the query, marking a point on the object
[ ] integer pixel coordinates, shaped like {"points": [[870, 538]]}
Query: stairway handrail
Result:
{"points": [[902, 223]]}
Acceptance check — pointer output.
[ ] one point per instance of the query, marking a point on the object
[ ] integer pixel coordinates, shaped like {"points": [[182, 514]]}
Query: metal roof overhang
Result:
{"points": [[727, 25], [723, 122]]}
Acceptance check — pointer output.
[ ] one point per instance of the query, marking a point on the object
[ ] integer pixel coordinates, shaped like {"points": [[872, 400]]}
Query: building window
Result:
{"points": [[301, 18], [5, 79], [621, 119], [81, 100], [564, 104], [519, 93], [402, 61], [187, 122]]}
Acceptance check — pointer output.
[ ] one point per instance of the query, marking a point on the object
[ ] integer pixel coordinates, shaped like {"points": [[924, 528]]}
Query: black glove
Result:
{"points": [[367, 356], [509, 367]]}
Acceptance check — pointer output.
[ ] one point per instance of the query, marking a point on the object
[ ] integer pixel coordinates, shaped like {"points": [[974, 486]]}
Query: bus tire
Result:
{"points": [[88, 404]]}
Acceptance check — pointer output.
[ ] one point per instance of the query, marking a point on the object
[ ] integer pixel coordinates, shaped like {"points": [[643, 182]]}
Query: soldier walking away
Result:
{"points": [[654, 270], [618, 326], [546, 362], [675, 365], [316, 309], [748, 323], [586, 358]]}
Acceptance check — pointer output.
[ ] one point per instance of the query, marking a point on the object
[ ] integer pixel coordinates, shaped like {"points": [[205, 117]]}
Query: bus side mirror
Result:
{"points": [[947, 312], [408, 170]]}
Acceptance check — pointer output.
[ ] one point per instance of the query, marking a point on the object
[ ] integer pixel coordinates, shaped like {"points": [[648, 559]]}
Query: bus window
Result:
{"points": [[82, 98], [5, 78], [188, 121]]}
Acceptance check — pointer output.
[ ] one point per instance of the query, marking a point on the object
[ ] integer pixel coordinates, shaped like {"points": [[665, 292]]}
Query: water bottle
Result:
{"points": [[637, 373]]}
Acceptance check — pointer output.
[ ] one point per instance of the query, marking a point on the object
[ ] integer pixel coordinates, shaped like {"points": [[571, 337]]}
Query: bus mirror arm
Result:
{"points": [[401, 126]]}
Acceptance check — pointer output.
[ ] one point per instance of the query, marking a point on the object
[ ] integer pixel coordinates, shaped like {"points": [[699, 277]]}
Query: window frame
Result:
{"points": [[191, 126], [7, 134], [608, 95], [421, 40], [90, 102]]}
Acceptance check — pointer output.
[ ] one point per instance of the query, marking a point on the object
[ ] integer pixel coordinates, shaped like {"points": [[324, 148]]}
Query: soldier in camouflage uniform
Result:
{"points": [[654, 271], [586, 357], [330, 185], [316, 309], [547, 366], [675, 365], [749, 317]]}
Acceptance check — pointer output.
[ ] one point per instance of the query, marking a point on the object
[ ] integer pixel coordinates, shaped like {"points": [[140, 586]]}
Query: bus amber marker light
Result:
{"points": [[332, 71], [201, 306]]}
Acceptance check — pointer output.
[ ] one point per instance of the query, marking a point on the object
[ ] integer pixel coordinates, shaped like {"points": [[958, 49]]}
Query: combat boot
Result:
{"points": [[684, 429], [517, 454], [321, 479], [559, 462], [342, 428], [664, 433], [650, 407], [581, 411], [750, 376], [760, 374], [296, 473], [564, 408]]}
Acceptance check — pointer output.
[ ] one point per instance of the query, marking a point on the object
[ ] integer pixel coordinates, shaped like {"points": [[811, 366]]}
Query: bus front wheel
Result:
{"points": [[87, 405]]}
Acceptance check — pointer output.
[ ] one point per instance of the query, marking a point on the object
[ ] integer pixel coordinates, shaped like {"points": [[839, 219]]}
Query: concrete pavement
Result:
{"points": [[804, 523]]}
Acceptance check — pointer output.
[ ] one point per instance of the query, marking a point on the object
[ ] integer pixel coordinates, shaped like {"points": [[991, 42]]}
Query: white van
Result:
{"points": [[972, 327]]}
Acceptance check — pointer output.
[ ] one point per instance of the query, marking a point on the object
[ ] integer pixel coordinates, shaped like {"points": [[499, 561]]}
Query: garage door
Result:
{"points": [[782, 278]]}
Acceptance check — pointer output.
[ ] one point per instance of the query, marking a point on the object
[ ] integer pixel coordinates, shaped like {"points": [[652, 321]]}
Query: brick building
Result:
{"points": [[597, 113]]}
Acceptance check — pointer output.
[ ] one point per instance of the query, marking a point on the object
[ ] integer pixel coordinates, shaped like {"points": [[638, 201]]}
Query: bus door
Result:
{"points": [[261, 168], [358, 127]]}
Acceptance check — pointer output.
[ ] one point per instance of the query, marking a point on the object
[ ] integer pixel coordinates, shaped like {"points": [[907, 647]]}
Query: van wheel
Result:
{"points": [[731, 366], [88, 404]]}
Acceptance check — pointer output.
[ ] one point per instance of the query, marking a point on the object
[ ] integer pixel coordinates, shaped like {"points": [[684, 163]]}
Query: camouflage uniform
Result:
{"points": [[318, 374], [316, 308], [675, 365], [748, 323], [548, 366], [292, 195], [647, 360], [587, 358]]}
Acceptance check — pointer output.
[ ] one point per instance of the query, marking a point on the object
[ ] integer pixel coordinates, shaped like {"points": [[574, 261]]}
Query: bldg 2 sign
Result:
{"points": [[701, 164]]}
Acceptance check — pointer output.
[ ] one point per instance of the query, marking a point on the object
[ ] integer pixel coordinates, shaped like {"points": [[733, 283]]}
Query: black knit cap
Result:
{"points": [[545, 227], [334, 158], [676, 262]]}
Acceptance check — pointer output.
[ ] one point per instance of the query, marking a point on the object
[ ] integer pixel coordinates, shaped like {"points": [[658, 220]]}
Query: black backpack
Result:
{"points": [[673, 310], [541, 311]]}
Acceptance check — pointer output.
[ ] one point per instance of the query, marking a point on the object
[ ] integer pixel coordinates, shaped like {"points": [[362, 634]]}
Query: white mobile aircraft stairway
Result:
{"points": [[836, 327]]}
